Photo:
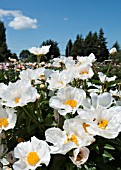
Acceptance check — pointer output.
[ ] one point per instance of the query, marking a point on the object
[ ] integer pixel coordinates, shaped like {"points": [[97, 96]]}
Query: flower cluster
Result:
{"points": [[80, 111]]}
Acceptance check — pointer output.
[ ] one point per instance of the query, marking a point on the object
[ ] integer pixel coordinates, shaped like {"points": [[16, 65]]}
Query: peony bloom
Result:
{"points": [[31, 154], [2, 88], [104, 123], [113, 51], [40, 51], [101, 119], [67, 100], [103, 78], [80, 156], [75, 129], [59, 80], [61, 143], [19, 94], [7, 119], [32, 74], [86, 60], [83, 72]]}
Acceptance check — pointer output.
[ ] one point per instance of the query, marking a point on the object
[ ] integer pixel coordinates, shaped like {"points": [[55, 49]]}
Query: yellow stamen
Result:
{"points": [[17, 100], [60, 82], [33, 158], [41, 77], [20, 139], [85, 126], [3, 122], [84, 72], [73, 138], [72, 103], [103, 124], [79, 156]]}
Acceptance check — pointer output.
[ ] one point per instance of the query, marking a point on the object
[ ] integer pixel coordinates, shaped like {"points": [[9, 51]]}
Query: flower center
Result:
{"points": [[41, 76], [84, 72], [79, 156], [33, 158], [17, 100], [85, 126], [103, 124], [72, 103], [60, 82], [3, 122], [72, 138], [20, 139]]}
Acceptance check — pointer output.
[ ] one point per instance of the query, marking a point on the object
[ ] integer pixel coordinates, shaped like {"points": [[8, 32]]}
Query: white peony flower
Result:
{"points": [[40, 51], [103, 78], [113, 51], [67, 100], [101, 119], [59, 80], [31, 154], [32, 74], [2, 88], [19, 94], [75, 128], [83, 72], [80, 156], [86, 60], [103, 100], [7, 119], [61, 142]]}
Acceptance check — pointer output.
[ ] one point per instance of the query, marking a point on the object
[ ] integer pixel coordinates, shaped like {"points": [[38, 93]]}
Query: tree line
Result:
{"points": [[93, 43]]}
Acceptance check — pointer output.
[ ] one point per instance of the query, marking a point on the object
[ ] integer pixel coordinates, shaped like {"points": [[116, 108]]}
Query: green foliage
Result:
{"points": [[103, 51], [93, 43], [69, 48], [87, 44], [53, 51], [77, 48], [24, 55], [116, 45], [3, 46]]}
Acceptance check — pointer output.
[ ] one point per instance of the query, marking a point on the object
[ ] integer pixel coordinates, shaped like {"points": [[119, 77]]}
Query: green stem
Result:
{"points": [[108, 68], [32, 118]]}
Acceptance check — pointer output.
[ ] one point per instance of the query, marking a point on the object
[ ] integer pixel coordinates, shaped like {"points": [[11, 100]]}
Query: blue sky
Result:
{"points": [[30, 22]]}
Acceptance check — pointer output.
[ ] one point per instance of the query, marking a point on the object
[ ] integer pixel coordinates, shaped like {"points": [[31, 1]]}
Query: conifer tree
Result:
{"points": [[4, 52], [102, 48], [87, 44], [68, 48], [78, 47], [117, 46], [54, 50]]}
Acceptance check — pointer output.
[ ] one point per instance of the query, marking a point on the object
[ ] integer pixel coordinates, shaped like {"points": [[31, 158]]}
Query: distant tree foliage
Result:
{"points": [[4, 51], [78, 47], [93, 43], [54, 50], [88, 44], [116, 45], [69, 48], [103, 51], [24, 55]]}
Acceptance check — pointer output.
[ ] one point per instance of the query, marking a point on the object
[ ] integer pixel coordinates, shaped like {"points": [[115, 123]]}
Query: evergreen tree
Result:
{"points": [[87, 44], [94, 44], [5, 53], [117, 46], [54, 50], [14, 56], [68, 48], [103, 51], [78, 47], [24, 54]]}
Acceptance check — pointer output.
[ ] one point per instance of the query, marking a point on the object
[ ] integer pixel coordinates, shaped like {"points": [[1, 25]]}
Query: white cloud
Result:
{"points": [[19, 21], [65, 19]]}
